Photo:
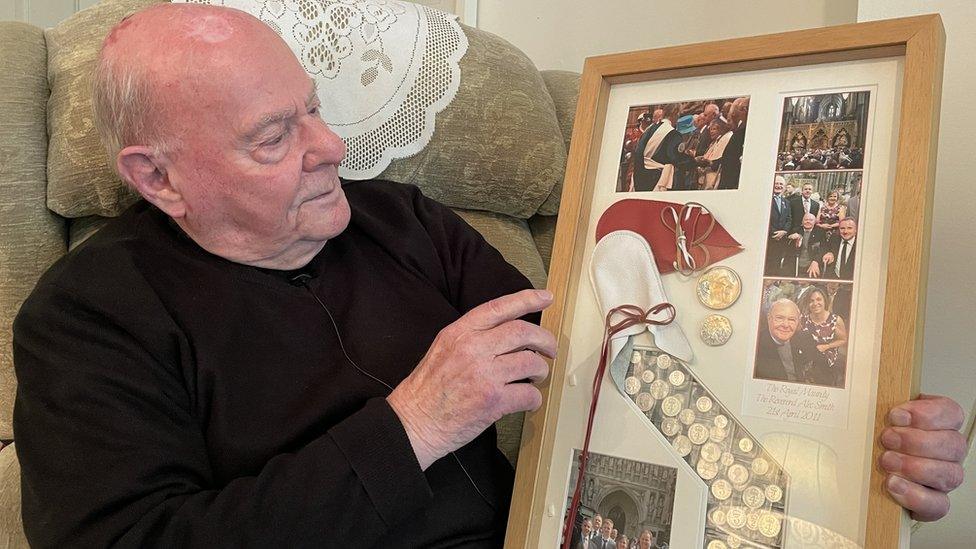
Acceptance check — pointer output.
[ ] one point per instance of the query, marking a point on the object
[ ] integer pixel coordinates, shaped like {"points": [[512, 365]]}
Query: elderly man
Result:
{"points": [[786, 353], [255, 355], [806, 245]]}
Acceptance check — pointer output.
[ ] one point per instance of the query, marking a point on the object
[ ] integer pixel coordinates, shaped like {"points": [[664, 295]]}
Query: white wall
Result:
{"points": [[559, 34], [950, 357]]}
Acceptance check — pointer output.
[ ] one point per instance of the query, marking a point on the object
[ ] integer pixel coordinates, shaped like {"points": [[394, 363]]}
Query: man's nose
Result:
{"points": [[324, 147]]}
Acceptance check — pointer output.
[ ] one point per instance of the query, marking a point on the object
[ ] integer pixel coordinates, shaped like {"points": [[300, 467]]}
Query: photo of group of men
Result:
{"points": [[624, 504], [684, 146], [811, 245]]}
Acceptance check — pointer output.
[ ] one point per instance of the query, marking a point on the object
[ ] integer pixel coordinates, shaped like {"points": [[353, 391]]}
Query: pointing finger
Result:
{"points": [[505, 308]]}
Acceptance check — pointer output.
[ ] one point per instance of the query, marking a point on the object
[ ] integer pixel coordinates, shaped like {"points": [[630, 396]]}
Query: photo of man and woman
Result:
{"points": [[683, 146]]}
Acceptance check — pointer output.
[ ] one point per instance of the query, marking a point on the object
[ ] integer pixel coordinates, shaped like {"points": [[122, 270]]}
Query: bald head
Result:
{"points": [[156, 63]]}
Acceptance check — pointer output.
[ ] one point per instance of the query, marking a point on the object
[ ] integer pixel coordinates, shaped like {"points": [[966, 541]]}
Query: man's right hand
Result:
{"points": [[778, 235], [472, 375]]}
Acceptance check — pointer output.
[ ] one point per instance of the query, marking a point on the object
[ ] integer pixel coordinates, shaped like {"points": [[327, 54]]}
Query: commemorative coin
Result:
{"points": [[704, 404], [745, 444], [719, 287], [711, 452], [632, 385], [736, 516], [707, 470], [681, 445], [718, 517], [676, 377], [670, 426], [721, 421], [647, 376], [660, 389], [774, 493], [722, 490], [698, 433], [644, 402], [753, 497], [671, 406], [716, 330], [686, 416], [760, 466], [738, 474], [663, 361], [769, 525]]}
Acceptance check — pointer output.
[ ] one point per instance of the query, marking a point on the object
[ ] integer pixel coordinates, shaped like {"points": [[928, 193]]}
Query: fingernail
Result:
{"points": [[545, 294], [891, 440], [897, 485], [891, 462], [900, 418]]}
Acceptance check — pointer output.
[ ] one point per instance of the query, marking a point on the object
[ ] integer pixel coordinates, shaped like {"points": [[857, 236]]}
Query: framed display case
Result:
{"points": [[762, 206]]}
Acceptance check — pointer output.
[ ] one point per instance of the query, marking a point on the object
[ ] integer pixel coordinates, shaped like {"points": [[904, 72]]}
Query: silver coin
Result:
{"points": [[736, 516], [752, 520], [753, 497], [715, 330], [721, 489], [746, 445], [717, 434], [670, 426], [681, 445], [686, 416], [769, 525], [734, 541], [718, 517], [663, 361], [721, 421], [660, 389], [711, 452], [647, 376], [707, 470], [644, 402], [677, 378], [774, 493], [738, 474], [760, 466], [727, 459], [698, 433], [704, 404], [671, 406], [632, 385]]}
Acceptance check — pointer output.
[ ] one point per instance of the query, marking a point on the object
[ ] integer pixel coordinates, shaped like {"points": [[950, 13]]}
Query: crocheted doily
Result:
{"points": [[383, 68]]}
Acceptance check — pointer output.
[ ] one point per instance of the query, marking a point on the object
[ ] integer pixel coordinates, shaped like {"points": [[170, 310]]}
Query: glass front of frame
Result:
{"points": [[768, 423]]}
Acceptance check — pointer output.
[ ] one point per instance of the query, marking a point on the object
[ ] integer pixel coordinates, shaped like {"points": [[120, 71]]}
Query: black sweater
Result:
{"points": [[170, 397]]}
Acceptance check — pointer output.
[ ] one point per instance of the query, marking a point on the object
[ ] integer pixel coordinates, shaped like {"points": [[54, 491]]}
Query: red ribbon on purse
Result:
{"points": [[632, 315]]}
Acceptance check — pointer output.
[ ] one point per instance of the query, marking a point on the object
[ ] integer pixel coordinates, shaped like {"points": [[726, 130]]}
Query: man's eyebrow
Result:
{"points": [[313, 96], [266, 121]]}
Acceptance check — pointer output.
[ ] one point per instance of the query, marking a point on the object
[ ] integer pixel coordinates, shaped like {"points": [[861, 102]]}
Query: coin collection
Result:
{"points": [[747, 488]]}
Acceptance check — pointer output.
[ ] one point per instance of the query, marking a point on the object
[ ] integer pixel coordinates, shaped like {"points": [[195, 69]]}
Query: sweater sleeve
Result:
{"points": [[112, 454]]}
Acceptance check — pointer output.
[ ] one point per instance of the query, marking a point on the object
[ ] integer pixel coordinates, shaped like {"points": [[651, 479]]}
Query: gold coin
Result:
{"points": [[718, 517], [745, 444], [707, 470], [721, 421], [752, 520], [760, 466], [719, 287], [676, 377], [671, 406], [717, 434], [632, 385], [663, 361], [769, 525], [681, 445], [721, 489], [704, 404], [774, 493], [727, 458], [686, 416], [644, 402], [715, 330], [717, 544], [753, 497], [660, 389], [698, 433], [736, 516], [738, 474], [647, 376], [734, 541], [670, 426], [711, 452]]}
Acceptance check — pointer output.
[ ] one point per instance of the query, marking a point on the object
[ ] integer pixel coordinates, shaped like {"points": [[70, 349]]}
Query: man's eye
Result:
{"points": [[275, 141], [314, 111]]}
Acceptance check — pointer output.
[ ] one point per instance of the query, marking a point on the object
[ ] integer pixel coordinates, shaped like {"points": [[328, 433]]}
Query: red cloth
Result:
{"points": [[644, 218]]}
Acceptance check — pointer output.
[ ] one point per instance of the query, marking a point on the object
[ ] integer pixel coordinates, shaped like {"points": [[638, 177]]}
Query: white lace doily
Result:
{"points": [[383, 68]]}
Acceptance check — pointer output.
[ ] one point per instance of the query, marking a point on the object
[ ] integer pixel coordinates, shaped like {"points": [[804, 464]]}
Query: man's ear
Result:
{"points": [[144, 169]]}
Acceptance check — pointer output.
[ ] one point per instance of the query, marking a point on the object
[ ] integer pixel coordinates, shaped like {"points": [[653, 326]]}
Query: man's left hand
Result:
{"points": [[925, 454]]}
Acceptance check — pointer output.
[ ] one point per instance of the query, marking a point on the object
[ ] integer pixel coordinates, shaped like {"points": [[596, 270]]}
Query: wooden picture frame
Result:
{"points": [[919, 43]]}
